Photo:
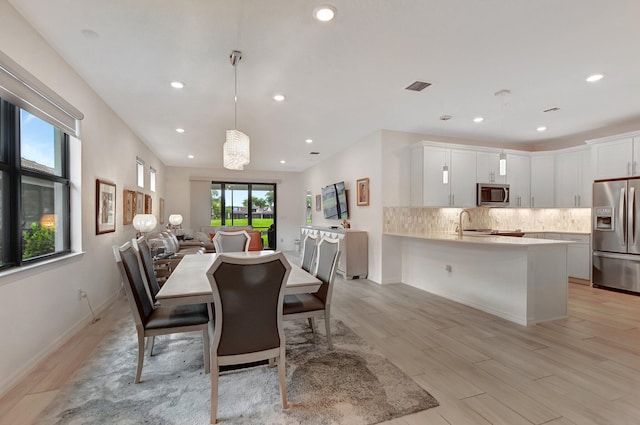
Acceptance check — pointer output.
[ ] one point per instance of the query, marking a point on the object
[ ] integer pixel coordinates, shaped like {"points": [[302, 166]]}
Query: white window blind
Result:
{"points": [[24, 90]]}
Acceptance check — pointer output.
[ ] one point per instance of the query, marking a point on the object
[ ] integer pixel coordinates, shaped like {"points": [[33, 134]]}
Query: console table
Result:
{"points": [[354, 252]]}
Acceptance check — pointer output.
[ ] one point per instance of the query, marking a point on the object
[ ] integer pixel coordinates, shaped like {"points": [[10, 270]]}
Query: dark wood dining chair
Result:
{"points": [[140, 244], [309, 246], [248, 294], [318, 304], [231, 241], [151, 321]]}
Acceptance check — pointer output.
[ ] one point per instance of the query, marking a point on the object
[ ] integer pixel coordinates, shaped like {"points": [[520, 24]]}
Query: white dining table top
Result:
{"points": [[189, 284]]}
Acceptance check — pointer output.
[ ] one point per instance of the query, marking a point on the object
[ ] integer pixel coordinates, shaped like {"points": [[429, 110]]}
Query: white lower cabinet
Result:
{"points": [[578, 253], [354, 254]]}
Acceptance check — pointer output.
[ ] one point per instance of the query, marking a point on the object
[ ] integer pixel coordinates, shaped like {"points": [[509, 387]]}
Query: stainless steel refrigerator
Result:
{"points": [[616, 234]]}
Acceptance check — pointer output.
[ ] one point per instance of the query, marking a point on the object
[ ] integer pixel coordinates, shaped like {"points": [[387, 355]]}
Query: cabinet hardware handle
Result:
{"points": [[533, 201], [634, 168], [628, 168], [575, 201], [453, 200], [579, 200]]}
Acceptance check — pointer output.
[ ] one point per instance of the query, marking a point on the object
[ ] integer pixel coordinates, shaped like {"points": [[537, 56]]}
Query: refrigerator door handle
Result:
{"points": [[632, 214], [622, 212]]}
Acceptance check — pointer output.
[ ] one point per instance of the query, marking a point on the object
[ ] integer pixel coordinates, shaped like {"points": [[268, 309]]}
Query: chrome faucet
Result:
{"points": [[468, 211]]}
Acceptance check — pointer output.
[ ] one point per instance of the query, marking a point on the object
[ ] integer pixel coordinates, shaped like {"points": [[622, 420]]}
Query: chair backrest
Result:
{"points": [[171, 241], [127, 262], [271, 236], [328, 256], [308, 252], [248, 295], [231, 241], [147, 265]]}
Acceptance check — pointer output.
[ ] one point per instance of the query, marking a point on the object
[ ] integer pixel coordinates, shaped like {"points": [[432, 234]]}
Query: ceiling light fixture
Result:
{"points": [[282, 161], [235, 152], [594, 78], [278, 98], [309, 141], [324, 13], [541, 128], [190, 156], [503, 157], [478, 119], [177, 84], [445, 174], [180, 130]]}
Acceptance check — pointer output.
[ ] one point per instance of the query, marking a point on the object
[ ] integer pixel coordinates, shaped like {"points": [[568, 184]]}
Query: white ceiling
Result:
{"points": [[345, 79]]}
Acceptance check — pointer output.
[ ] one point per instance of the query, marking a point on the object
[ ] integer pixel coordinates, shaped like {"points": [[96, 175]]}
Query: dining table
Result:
{"points": [[189, 284]]}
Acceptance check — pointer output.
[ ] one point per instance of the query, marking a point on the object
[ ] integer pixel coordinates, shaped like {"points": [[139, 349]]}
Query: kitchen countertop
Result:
{"points": [[484, 239]]}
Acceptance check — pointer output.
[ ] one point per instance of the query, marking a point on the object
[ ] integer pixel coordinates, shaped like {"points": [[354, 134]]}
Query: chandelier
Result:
{"points": [[235, 152]]}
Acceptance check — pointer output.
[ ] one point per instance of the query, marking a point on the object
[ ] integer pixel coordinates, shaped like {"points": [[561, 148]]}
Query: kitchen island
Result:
{"points": [[519, 279]]}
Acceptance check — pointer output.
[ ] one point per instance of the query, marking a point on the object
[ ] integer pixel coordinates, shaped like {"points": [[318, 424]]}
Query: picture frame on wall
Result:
{"points": [[318, 202], [161, 212], [139, 203], [363, 191], [129, 206], [105, 207], [147, 204]]}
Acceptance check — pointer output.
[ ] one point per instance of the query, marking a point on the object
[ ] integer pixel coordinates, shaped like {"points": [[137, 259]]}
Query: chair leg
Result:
{"points": [[282, 375], [214, 388], [140, 357], [327, 325], [207, 350], [152, 340], [312, 323]]}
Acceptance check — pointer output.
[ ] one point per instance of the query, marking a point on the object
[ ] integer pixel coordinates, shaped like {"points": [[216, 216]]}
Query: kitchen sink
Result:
{"points": [[492, 232]]}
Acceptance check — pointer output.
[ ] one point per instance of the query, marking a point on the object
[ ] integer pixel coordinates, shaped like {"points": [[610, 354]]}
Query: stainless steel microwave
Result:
{"points": [[493, 195]]}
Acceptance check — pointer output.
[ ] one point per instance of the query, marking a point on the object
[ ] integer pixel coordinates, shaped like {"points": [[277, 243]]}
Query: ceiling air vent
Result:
{"points": [[552, 109], [445, 117], [417, 86], [314, 153]]}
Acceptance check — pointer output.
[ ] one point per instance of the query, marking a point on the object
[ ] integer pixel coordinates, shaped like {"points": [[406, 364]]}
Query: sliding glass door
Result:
{"points": [[245, 204]]}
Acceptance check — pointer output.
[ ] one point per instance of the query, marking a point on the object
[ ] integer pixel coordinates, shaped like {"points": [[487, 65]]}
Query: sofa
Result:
{"points": [[206, 234]]}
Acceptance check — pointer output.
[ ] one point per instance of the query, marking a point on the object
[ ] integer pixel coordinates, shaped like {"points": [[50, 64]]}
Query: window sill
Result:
{"points": [[17, 273]]}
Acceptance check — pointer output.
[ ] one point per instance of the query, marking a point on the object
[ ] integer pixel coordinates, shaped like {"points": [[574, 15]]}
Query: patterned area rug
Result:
{"points": [[352, 384]]}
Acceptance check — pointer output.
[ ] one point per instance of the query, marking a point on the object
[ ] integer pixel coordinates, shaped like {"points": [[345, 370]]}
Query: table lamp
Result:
{"points": [[175, 220], [144, 223]]}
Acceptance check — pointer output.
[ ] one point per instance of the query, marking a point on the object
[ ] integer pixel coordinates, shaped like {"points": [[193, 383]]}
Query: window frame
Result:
{"points": [[140, 172], [152, 179], [11, 167]]}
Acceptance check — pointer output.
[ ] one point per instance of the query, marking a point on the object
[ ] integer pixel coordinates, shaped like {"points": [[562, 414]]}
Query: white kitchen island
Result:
{"points": [[519, 279]]}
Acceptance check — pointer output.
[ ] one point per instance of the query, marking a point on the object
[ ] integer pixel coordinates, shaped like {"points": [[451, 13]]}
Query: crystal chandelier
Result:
{"points": [[235, 152]]}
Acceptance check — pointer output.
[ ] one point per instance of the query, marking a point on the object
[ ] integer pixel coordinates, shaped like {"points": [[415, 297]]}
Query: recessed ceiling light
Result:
{"points": [[278, 98], [445, 117], [309, 141], [541, 128], [282, 161], [478, 119], [177, 84], [190, 156], [594, 77], [180, 130], [324, 13]]}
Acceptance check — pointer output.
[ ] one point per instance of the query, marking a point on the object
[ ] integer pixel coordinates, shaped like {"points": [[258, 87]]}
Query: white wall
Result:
{"points": [[40, 308], [189, 194]]}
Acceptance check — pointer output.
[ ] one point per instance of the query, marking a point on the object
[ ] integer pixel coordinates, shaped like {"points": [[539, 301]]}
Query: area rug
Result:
{"points": [[352, 384]]}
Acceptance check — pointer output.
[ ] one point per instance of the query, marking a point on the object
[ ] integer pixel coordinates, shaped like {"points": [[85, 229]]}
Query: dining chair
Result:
{"points": [[309, 252], [248, 298], [150, 268], [231, 241], [151, 321], [317, 304]]}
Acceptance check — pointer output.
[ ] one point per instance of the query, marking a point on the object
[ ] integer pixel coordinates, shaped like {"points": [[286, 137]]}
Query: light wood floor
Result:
{"points": [[483, 370]]}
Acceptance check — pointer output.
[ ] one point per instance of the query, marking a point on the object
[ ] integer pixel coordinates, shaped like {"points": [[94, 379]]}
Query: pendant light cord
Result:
{"points": [[235, 96]]}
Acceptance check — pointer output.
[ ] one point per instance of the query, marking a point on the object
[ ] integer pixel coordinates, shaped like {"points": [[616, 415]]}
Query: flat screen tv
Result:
{"points": [[334, 201]]}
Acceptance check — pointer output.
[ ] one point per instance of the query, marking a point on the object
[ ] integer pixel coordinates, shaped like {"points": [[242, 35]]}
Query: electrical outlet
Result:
{"points": [[81, 294]]}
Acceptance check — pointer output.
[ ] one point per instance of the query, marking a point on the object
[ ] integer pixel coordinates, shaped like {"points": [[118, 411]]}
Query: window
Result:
{"points": [[34, 188], [140, 172], [242, 204], [152, 179]]}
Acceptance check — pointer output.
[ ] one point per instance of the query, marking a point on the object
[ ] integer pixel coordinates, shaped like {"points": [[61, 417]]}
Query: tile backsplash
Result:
{"points": [[411, 220]]}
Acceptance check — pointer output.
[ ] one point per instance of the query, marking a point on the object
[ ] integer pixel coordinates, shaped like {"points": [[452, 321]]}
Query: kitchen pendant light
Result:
{"points": [[236, 152], [503, 156], [445, 174]]}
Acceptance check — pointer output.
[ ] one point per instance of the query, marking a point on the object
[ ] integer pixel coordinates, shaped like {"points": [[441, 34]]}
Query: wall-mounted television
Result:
{"points": [[334, 201]]}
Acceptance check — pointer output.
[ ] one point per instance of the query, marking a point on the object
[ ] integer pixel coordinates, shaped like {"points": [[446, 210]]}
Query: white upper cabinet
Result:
{"points": [[615, 158], [427, 186], [519, 180], [542, 181], [488, 168], [573, 178]]}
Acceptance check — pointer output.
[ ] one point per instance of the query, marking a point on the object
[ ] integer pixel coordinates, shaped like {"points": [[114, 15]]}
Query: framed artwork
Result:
{"points": [[129, 204], [139, 203], [363, 191], [318, 202], [147, 204], [105, 207], [161, 218]]}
